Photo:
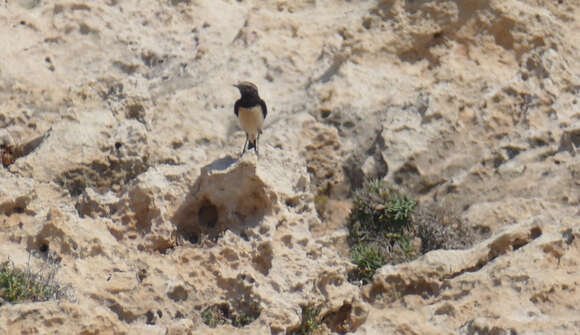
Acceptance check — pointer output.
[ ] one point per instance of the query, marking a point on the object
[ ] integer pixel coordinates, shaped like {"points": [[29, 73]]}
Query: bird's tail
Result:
{"points": [[252, 144]]}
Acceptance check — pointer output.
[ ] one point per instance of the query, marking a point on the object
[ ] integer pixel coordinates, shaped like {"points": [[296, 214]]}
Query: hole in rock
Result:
{"points": [[535, 232], [324, 113], [568, 236], [43, 247], [150, 318], [141, 275], [192, 238], [208, 214], [346, 319]]}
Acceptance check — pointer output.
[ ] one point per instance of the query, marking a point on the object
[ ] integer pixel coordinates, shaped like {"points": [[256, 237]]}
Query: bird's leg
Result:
{"points": [[245, 144], [257, 139]]}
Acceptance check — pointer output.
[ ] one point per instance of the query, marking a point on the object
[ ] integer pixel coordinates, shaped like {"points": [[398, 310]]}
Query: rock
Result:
{"points": [[570, 141], [121, 175], [142, 212], [237, 195], [60, 232], [15, 194], [94, 204]]}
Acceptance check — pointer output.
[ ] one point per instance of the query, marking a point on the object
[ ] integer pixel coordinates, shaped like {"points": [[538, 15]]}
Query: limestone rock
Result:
{"points": [[15, 194], [121, 174]]}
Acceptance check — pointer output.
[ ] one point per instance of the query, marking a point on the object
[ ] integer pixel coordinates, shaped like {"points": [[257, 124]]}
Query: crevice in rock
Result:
{"points": [[337, 62], [502, 245], [429, 285], [367, 163], [10, 152]]}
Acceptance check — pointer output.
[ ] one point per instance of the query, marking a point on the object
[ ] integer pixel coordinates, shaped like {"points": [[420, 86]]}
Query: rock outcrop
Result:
{"points": [[121, 178]]}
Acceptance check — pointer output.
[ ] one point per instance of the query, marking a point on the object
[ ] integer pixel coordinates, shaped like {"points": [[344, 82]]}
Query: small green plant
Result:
{"points": [[400, 209], [242, 320], [215, 315], [248, 311], [23, 285], [368, 258], [220, 314], [378, 210], [380, 229], [310, 321]]}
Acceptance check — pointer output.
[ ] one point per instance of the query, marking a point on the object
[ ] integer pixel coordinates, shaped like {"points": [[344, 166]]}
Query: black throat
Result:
{"points": [[249, 100]]}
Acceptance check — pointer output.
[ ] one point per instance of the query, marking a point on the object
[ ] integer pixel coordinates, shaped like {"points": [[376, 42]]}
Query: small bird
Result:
{"points": [[251, 111]]}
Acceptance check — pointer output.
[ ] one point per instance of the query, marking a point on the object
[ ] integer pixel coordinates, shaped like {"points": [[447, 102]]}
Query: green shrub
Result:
{"points": [[380, 229], [22, 285], [384, 229], [378, 211]]}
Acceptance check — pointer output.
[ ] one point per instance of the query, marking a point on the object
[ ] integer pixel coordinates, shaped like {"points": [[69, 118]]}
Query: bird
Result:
{"points": [[251, 111]]}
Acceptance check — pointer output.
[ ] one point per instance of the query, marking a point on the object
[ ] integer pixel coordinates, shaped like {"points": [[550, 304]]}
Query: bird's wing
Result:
{"points": [[237, 107], [264, 108]]}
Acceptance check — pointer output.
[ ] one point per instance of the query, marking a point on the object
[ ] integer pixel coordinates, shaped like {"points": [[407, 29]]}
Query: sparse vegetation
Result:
{"points": [[439, 227], [310, 321], [368, 258], [215, 315], [380, 229], [384, 229], [378, 211], [221, 314], [23, 285], [248, 311]]}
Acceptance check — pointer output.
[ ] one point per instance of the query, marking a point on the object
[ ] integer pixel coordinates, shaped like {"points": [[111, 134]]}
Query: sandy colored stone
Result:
{"points": [[121, 168]]}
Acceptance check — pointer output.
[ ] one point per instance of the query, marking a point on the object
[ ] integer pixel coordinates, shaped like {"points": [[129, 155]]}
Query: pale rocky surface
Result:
{"points": [[121, 163]]}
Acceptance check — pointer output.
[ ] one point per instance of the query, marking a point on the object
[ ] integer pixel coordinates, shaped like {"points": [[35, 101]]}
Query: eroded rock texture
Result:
{"points": [[120, 168]]}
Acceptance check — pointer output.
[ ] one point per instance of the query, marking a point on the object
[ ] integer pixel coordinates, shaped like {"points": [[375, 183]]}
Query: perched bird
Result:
{"points": [[251, 111]]}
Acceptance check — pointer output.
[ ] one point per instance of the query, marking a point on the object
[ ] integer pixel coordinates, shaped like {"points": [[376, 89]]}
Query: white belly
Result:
{"points": [[251, 120]]}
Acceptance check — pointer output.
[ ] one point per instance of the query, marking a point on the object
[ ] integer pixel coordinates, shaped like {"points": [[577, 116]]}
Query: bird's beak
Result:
{"points": [[236, 85]]}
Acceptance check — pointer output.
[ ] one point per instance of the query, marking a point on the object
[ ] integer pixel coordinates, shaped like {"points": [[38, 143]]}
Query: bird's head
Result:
{"points": [[247, 89]]}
